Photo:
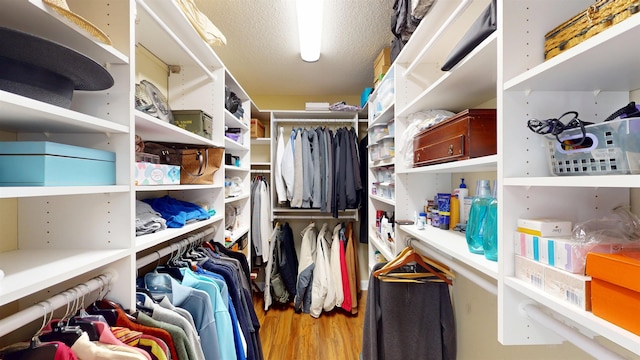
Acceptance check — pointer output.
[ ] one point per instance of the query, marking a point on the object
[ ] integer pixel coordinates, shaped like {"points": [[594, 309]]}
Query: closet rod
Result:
{"points": [[314, 217], [255, 171], [176, 39], [462, 270], [315, 121], [46, 307], [572, 335], [157, 255], [463, 4]]}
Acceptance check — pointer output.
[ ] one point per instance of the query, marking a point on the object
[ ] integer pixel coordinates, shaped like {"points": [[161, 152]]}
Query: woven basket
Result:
{"points": [[593, 20]]}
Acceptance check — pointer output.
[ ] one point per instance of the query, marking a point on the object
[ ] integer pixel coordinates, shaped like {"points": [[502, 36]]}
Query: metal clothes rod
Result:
{"points": [[314, 217], [255, 171], [315, 121], [45, 308], [436, 36], [462, 270], [182, 244], [176, 39], [588, 345]]}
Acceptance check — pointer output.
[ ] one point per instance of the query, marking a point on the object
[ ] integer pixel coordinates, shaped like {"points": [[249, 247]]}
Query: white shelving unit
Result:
{"points": [[58, 237], [508, 69], [584, 79], [66, 234]]}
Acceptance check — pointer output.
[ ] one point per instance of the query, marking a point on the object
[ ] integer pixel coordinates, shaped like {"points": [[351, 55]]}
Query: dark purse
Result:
{"points": [[197, 164], [484, 26]]}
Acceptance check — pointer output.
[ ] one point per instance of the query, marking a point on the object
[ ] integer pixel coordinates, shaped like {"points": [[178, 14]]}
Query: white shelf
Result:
{"points": [[237, 234], [586, 319], [454, 245], [235, 168], [231, 121], [150, 128], [47, 23], [473, 82], [234, 145], [29, 271], [261, 164], [236, 198], [382, 163], [149, 240], [565, 72], [384, 116], [391, 202], [481, 164], [595, 181], [176, 187], [377, 243], [260, 141], [161, 42], [30, 191], [22, 114]]}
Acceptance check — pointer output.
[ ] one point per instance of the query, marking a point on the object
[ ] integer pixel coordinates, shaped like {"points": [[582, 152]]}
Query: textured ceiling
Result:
{"points": [[262, 45]]}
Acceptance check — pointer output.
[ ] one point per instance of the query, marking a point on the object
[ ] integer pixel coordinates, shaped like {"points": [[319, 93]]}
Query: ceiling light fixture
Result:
{"points": [[309, 28]]}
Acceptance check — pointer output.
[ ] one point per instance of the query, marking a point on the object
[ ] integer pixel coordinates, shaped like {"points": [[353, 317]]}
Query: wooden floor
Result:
{"points": [[285, 335]]}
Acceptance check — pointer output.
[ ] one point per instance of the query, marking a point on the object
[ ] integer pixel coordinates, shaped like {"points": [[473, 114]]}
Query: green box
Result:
{"points": [[196, 121]]}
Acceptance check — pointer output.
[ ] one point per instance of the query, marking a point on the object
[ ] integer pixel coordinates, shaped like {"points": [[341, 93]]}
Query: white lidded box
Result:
{"points": [[44, 163], [545, 227]]}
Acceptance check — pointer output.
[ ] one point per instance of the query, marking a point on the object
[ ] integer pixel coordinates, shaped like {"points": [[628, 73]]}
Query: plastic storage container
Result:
{"points": [[611, 147], [387, 147], [377, 132]]}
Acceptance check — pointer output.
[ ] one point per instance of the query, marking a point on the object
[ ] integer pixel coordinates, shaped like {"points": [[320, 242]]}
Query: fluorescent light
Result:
{"points": [[310, 28]]}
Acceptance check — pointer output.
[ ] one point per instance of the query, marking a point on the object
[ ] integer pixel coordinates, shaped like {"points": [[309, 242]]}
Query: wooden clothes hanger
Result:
{"points": [[409, 256]]}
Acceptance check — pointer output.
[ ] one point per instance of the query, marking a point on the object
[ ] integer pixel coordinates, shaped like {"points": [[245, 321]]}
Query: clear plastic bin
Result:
{"points": [[374, 152], [611, 147], [377, 132], [387, 147]]}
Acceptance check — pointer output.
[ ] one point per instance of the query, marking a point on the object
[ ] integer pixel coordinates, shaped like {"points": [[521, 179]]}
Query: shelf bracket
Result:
{"points": [[572, 335]]}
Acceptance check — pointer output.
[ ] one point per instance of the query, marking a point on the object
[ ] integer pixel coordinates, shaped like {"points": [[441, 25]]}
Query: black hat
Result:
{"points": [[47, 71]]}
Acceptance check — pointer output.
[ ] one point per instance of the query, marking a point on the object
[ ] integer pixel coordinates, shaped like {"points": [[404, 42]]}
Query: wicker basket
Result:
{"points": [[593, 20]]}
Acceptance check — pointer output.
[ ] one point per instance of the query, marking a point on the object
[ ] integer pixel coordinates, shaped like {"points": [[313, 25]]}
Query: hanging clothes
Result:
{"points": [[302, 300], [321, 274], [281, 190], [335, 264], [408, 319]]}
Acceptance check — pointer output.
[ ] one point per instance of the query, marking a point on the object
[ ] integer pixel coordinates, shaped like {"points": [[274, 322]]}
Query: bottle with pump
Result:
{"points": [[477, 215], [490, 233], [461, 192]]}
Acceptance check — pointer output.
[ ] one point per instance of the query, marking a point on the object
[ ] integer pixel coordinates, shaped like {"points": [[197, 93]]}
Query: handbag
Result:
{"points": [[484, 26], [197, 164]]}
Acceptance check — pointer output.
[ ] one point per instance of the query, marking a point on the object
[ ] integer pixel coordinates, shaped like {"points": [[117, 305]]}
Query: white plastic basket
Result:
{"points": [[611, 147]]}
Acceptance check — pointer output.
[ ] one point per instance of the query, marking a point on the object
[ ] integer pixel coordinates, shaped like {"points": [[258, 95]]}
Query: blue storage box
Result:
{"points": [[44, 163], [364, 97]]}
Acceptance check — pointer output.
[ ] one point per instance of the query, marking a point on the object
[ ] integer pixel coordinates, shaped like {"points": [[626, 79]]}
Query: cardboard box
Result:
{"points": [[615, 292], [573, 289], [545, 227], [382, 63], [156, 174], [44, 163], [257, 129], [196, 121]]}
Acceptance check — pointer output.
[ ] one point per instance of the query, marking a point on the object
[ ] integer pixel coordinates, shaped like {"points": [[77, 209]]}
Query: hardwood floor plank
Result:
{"points": [[335, 335]]}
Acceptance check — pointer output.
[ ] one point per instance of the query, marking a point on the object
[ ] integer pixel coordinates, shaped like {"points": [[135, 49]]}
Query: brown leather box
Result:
{"points": [[468, 134]]}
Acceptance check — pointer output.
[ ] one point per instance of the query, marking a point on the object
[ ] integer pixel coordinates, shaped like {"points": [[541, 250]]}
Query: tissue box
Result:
{"points": [[156, 174], [615, 291], [44, 163]]}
